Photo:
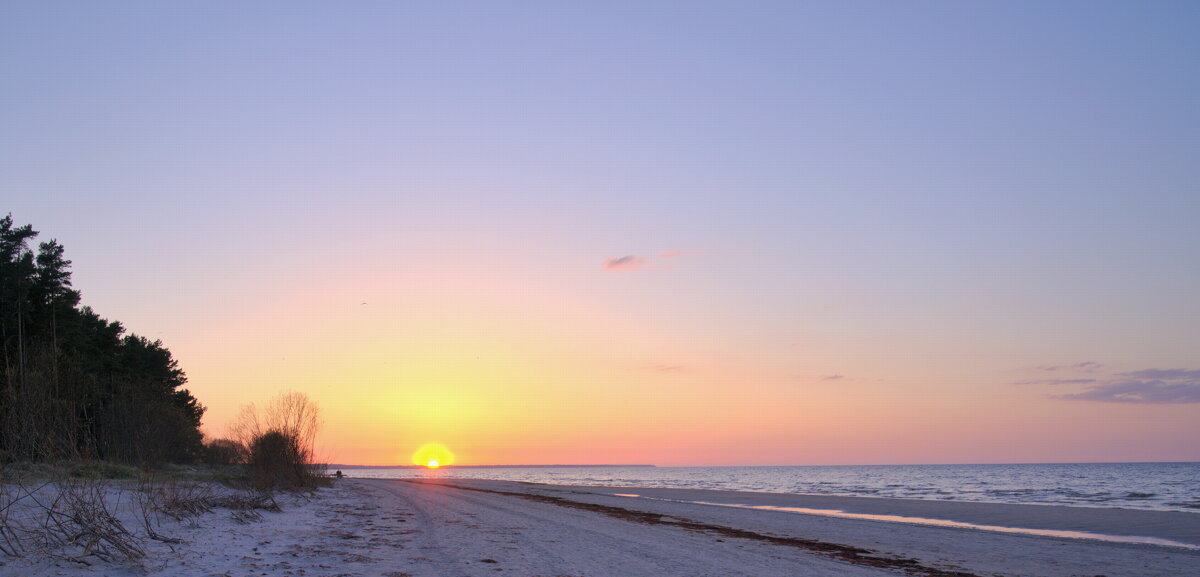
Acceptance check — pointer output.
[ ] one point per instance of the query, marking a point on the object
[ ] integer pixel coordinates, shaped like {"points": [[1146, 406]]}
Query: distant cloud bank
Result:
{"points": [[1164, 374], [1140, 392], [1149, 386]]}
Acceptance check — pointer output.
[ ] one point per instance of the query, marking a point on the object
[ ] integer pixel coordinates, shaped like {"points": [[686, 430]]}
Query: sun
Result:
{"points": [[433, 456]]}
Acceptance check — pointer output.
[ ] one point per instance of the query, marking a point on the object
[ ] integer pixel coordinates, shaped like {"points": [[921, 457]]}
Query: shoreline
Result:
{"points": [[1166, 528], [1066, 534], [1141, 486], [1116, 524]]}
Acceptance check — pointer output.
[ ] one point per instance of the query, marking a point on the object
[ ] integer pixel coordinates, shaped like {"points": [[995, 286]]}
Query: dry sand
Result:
{"points": [[476, 528]]}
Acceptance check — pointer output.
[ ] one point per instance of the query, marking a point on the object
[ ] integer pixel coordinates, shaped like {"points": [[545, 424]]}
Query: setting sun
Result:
{"points": [[433, 455]]}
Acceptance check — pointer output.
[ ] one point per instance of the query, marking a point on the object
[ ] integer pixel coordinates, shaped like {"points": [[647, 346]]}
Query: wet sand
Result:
{"points": [[1156, 526]]}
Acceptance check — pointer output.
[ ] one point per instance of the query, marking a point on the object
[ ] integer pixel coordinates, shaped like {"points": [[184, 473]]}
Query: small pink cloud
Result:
{"points": [[627, 262]]}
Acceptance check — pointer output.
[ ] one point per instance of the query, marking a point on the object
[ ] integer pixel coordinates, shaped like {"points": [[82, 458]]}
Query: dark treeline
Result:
{"points": [[75, 385]]}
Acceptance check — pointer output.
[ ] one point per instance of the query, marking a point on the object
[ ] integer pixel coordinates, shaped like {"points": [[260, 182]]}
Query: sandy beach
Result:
{"points": [[473, 528]]}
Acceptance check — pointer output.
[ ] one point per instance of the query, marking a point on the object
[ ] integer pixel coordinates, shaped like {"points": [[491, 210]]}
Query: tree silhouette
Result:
{"points": [[73, 383]]}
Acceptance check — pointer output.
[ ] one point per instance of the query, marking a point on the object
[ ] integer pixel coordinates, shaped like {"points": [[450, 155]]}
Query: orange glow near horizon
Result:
{"points": [[504, 382], [433, 455]]}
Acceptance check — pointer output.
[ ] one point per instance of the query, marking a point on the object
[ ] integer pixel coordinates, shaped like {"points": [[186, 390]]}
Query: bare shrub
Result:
{"points": [[79, 517], [225, 452], [182, 501], [280, 441], [82, 518], [276, 461], [10, 543], [245, 507]]}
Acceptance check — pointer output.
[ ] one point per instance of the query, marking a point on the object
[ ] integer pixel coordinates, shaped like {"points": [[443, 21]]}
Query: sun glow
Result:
{"points": [[433, 455]]}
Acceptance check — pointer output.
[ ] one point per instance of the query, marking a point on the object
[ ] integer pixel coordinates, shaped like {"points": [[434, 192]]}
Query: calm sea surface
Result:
{"points": [[1162, 486]]}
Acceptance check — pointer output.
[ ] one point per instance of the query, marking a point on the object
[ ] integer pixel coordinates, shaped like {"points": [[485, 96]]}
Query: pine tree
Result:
{"points": [[73, 383]]}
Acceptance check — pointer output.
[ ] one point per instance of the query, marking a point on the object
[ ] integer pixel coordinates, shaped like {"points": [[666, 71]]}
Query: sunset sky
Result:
{"points": [[705, 233]]}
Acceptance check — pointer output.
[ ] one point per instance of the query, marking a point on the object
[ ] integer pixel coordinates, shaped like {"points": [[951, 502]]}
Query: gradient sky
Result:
{"points": [[699, 233]]}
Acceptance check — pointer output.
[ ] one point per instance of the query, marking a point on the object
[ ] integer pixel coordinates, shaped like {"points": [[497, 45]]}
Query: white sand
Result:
{"points": [[397, 528]]}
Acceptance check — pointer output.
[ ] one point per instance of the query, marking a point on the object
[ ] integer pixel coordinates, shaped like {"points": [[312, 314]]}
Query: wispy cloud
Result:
{"points": [[1084, 367], [1164, 374], [668, 368], [834, 378], [627, 262], [1159, 392], [1055, 382], [1149, 386], [660, 261]]}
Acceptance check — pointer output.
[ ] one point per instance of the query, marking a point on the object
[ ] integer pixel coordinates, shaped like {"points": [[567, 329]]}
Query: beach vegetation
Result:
{"points": [[95, 512], [280, 442], [225, 452], [104, 470]]}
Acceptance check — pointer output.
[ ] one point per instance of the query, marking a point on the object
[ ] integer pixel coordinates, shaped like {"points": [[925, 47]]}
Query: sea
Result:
{"points": [[1157, 486]]}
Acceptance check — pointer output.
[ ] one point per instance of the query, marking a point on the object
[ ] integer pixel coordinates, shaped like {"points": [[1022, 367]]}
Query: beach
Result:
{"points": [[445, 528]]}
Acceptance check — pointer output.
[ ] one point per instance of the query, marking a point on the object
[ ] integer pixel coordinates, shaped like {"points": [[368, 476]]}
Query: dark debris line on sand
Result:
{"points": [[845, 553]]}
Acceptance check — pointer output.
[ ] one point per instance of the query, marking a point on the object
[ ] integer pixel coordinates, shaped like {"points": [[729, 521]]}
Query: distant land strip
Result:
{"points": [[332, 466]]}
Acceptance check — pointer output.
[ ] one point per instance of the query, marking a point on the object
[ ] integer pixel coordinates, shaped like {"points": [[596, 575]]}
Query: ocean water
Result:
{"points": [[1160, 486]]}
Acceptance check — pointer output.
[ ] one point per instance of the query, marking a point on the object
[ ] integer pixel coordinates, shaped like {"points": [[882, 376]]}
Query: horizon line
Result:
{"points": [[347, 465], [478, 466]]}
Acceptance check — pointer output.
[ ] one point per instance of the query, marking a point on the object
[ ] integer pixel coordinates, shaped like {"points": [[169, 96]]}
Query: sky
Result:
{"points": [[693, 233]]}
